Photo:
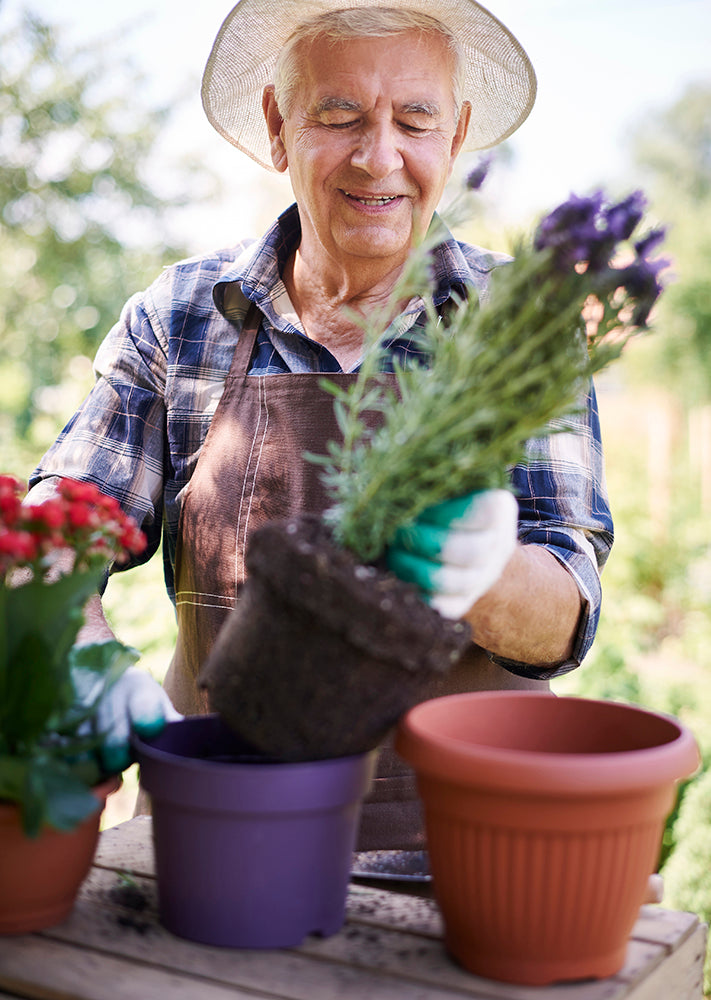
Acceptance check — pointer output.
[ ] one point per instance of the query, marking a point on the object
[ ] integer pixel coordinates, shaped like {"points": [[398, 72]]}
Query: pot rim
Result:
{"points": [[437, 754], [101, 791], [144, 747]]}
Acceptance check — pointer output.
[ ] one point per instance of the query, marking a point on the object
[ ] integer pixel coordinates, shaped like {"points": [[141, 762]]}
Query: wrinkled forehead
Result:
{"points": [[411, 69]]}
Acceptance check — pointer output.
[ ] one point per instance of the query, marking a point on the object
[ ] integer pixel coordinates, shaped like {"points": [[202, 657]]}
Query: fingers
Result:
{"points": [[457, 550], [148, 706], [135, 702], [475, 512]]}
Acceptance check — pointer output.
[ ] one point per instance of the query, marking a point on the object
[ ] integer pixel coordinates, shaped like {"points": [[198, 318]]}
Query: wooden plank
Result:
{"points": [[426, 961], [669, 927], [657, 932], [365, 959], [681, 975], [41, 969], [385, 908], [128, 847], [99, 923], [391, 949]]}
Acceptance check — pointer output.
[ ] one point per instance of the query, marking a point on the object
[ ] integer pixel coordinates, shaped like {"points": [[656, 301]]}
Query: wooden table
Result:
{"points": [[113, 948]]}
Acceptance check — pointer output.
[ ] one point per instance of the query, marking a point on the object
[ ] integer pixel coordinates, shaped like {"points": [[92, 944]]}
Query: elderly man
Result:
{"points": [[203, 398]]}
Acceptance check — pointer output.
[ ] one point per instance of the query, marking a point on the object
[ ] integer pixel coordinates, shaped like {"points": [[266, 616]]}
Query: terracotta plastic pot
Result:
{"points": [[41, 876], [544, 819], [250, 853]]}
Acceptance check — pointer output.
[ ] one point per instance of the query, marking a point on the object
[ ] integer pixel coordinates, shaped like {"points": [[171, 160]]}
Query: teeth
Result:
{"points": [[372, 201]]}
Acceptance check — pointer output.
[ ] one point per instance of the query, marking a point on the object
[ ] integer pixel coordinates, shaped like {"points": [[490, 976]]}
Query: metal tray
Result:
{"points": [[403, 866]]}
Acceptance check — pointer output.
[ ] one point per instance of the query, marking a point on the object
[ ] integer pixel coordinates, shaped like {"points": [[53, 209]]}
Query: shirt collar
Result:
{"points": [[258, 269]]}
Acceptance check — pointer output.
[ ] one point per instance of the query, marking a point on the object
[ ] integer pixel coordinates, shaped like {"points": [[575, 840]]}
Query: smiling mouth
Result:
{"points": [[375, 202]]}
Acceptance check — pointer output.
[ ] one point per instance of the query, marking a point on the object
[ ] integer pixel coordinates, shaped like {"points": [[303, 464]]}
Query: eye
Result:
{"points": [[341, 125], [415, 128]]}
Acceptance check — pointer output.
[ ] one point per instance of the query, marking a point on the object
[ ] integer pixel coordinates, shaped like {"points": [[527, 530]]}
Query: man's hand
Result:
{"points": [[456, 550], [134, 702]]}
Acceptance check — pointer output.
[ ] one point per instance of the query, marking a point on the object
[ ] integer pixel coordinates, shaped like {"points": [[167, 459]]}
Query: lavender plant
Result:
{"points": [[499, 371]]}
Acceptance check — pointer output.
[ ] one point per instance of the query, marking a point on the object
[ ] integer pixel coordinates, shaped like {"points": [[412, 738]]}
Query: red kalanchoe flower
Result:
{"points": [[49, 514], [79, 515], [9, 500], [20, 546], [71, 489], [81, 518]]}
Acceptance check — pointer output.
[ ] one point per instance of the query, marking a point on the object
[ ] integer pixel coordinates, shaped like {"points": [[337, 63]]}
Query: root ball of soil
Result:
{"points": [[321, 655]]}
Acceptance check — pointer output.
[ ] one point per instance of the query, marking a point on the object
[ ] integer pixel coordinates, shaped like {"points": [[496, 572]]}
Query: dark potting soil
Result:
{"points": [[321, 655]]}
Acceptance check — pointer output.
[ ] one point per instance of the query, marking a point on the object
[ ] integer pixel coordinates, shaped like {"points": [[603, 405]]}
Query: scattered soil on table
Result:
{"points": [[134, 901]]}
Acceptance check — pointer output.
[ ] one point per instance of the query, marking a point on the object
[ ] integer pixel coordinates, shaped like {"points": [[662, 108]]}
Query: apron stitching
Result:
{"points": [[205, 604], [240, 550], [185, 595]]}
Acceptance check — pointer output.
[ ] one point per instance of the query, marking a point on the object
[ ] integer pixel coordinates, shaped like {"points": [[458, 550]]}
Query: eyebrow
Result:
{"points": [[429, 108]]}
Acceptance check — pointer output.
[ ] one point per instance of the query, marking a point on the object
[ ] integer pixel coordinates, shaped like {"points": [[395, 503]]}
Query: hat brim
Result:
{"points": [[500, 83]]}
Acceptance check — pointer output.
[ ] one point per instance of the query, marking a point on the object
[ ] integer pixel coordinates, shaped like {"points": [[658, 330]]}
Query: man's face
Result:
{"points": [[370, 143]]}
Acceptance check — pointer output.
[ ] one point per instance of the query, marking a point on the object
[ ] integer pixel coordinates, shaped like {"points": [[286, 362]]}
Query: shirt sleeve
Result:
{"points": [[116, 439], [563, 506]]}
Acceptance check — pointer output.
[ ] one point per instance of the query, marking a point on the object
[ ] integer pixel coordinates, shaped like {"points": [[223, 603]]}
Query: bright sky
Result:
{"points": [[601, 64]]}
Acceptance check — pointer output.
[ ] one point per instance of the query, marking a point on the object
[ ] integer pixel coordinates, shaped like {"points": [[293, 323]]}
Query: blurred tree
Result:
{"points": [[81, 224], [672, 151]]}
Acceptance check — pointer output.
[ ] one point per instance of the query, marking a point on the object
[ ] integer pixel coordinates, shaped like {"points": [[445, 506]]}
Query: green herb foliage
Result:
{"points": [[501, 372]]}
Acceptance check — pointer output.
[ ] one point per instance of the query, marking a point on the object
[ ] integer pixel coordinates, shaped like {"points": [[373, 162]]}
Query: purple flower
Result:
{"points": [[622, 219], [649, 243], [641, 282], [572, 231], [477, 176], [584, 230]]}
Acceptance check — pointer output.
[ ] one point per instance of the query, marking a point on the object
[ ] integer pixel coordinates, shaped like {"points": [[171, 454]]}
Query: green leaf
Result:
{"points": [[33, 802], [13, 775], [34, 689], [94, 668], [54, 610], [68, 800]]}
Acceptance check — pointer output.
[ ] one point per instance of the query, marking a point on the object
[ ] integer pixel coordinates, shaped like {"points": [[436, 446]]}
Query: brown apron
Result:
{"points": [[251, 470]]}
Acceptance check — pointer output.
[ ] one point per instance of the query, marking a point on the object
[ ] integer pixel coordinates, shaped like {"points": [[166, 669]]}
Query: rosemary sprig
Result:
{"points": [[499, 373]]}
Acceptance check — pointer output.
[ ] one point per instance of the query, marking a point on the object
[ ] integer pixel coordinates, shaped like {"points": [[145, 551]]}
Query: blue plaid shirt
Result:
{"points": [[161, 370]]}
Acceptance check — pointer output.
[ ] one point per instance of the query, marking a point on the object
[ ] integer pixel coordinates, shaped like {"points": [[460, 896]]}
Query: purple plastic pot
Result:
{"points": [[250, 853]]}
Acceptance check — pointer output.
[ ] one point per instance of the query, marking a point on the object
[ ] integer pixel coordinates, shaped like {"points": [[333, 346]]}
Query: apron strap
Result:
{"points": [[246, 341]]}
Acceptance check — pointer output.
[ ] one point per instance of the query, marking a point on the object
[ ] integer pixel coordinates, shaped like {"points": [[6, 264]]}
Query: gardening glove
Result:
{"points": [[135, 702], [456, 550]]}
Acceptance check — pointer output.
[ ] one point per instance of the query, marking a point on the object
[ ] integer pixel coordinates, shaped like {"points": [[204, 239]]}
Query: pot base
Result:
{"points": [[532, 971]]}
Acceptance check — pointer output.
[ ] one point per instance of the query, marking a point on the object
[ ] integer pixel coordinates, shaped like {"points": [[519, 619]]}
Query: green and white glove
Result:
{"points": [[456, 550], [135, 702]]}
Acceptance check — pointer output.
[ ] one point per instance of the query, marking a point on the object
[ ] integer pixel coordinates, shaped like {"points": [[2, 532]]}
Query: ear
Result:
{"points": [[460, 134], [275, 123]]}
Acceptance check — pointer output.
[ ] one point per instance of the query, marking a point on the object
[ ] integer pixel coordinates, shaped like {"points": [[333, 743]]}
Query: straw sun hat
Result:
{"points": [[500, 83]]}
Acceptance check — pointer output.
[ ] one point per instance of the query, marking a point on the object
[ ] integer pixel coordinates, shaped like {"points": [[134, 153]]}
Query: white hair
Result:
{"points": [[363, 22]]}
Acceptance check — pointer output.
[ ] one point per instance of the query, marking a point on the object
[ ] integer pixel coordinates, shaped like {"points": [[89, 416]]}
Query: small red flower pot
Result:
{"points": [[40, 877], [544, 819]]}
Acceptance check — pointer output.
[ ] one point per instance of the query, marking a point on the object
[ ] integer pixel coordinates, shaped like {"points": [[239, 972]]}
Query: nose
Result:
{"points": [[377, 152]]}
